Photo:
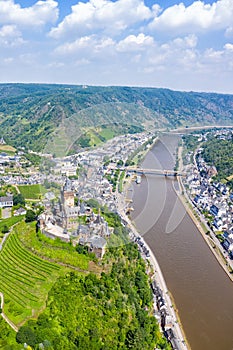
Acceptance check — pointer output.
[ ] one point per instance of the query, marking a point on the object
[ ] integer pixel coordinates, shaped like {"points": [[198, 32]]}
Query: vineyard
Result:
{"points": [[50, 249], [25, 280]]}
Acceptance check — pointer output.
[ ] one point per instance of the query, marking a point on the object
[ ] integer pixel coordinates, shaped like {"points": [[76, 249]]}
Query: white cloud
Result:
{"points": [[56, 65], [140, 49], [180, 53], [135, 43], [40, 13], [103, 44], [108, 42], [74, 46], [104, 15], [82, 62], [8, 60], [212, 55], [189, 41], [228, 47], [95, 45], [229, 32], [196, 17], [88, 44], [10, 36]]}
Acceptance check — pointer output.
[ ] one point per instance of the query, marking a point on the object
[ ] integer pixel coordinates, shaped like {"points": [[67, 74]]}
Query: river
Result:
{"points": [[202, 291]]}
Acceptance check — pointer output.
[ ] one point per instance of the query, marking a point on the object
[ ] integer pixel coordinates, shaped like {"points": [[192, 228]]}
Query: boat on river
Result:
{"points": [[138, 179]]}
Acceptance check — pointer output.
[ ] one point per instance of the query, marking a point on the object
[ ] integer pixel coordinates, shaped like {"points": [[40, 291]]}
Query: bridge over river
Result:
{"points": [[146, 171]]}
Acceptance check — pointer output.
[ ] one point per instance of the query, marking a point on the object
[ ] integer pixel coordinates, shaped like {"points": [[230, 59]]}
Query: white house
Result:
{"points": [[6, 201]]}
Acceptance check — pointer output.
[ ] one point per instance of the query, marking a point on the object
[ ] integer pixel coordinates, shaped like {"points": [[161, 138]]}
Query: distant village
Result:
{"points": [[213, 199]]}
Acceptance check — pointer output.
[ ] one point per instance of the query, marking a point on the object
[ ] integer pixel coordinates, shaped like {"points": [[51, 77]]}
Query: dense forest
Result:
{"points": [[32, 112], [222, 159]]}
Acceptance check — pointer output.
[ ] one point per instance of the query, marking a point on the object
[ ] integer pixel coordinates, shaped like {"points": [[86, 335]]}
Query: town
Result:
{"points": [[85, 181], [73, 192], [212, 199], [66, 189]]}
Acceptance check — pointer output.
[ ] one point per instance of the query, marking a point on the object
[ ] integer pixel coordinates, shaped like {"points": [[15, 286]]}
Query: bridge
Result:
{"points": [[146, 171]]}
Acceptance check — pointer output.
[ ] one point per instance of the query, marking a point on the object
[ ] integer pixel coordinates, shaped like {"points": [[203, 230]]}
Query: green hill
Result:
{"points": [[39, 116]]}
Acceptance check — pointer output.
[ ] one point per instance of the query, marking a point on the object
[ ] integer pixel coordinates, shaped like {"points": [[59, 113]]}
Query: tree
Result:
{"points": [[26, 335], [120, 162], [30, 216], [93, 203], [18, 199], [5, 229]]}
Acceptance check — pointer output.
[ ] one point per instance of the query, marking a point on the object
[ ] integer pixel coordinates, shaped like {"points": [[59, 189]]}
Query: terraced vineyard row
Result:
{"points": [[25, 280]]}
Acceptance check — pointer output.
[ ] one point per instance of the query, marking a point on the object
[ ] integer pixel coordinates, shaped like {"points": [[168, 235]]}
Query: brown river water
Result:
{"points": [[202, 292]]}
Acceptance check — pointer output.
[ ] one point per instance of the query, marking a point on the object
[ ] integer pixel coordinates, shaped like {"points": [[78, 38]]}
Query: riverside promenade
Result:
{"points": [[181, 343]]}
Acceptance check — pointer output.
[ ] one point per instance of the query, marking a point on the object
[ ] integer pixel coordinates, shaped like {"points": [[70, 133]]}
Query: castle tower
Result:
{"points": [[67, 194]]}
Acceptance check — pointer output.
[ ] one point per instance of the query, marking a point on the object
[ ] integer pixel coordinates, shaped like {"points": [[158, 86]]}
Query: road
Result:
{"points": [[4, 239]]}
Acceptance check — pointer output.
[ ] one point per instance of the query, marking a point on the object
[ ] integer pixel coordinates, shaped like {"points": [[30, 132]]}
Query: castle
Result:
{"points": [[64, 217]]}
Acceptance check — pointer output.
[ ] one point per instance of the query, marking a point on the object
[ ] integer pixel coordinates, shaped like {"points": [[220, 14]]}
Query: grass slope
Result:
{"points": [[7, 149], [10, 222]]}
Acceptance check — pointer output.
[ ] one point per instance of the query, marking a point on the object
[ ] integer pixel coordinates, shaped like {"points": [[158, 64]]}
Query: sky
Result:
{"points": [[185, 46]]}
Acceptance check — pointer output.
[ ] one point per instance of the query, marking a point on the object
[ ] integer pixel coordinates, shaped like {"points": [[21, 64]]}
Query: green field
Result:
{"points": [[107, 133], [25, 280], [121, 181], [10, 222], [7, 149], [32, 191]]}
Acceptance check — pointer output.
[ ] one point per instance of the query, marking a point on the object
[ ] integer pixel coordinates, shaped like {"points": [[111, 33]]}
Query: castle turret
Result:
{"points": [[67, 194]]}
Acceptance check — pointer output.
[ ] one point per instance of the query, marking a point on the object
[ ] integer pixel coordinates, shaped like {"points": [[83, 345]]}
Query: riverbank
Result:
{"points": [[204, 127], [193, 275], [200, 223]]}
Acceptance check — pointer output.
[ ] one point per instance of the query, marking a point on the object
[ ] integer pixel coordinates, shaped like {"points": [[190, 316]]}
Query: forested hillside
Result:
{"points": [[31, 112]]}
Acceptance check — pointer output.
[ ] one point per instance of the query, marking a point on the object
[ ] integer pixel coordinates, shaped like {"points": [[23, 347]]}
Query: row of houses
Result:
{"points": [[212, 198]]}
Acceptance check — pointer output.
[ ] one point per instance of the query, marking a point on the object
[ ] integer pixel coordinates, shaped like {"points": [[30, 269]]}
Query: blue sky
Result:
{"points": [[179, 45]]}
